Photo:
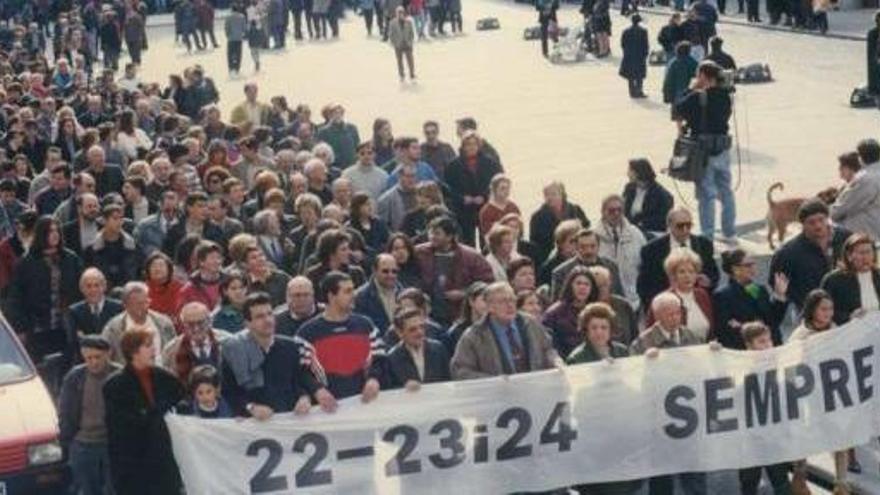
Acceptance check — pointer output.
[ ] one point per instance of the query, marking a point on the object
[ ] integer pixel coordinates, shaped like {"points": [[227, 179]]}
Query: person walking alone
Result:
{"points": [[633, 67], [402, 36], [256, 41], [236, 29]]}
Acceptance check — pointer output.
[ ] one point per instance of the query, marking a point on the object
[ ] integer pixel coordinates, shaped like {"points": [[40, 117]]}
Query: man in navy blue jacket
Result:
{"points": [[415, 359], [377, 299]]}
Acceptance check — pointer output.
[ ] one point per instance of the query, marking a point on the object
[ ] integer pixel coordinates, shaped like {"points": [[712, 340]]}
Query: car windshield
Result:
{"points": [[14, 365]]}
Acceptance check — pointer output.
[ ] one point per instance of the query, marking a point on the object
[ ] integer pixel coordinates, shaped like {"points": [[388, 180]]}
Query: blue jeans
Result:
{"points": [[90, 466], [715, 185]]}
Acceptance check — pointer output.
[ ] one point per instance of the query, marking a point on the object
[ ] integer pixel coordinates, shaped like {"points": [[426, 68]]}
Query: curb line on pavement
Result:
{"points": [[766, 27]]}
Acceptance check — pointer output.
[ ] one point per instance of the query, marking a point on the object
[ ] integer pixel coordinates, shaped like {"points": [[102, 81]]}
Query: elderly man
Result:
{"points": [[448, 268], [300, 308], [199, 344], [264, 373], [108, 176], [137, 315], [652, 278], [415, 359], [586, 254], [622, 243], [668, 332], [83, 432], [504, 342], [377, 299], [857, 208], [89, 316], [250, 113]]}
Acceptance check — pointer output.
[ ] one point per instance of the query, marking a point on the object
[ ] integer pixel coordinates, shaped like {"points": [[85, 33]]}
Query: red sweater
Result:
{"points": [[164, 298]]}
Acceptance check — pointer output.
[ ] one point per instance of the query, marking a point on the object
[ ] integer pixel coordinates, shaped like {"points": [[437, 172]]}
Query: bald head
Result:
{"points": [[300, 296], [93, 285]]}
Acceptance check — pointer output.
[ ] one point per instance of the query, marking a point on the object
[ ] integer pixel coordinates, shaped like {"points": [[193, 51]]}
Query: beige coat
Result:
{"points": [[114, 329], [477, 354], [654, 337]]}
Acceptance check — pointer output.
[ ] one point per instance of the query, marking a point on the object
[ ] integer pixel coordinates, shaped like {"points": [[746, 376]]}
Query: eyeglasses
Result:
{"points": [[203, 324], [683, 225], [395, 271], [746, 264]]}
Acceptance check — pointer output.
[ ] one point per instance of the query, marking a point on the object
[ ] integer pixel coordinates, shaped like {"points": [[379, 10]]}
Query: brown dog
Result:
{"points": [[783, 212]]}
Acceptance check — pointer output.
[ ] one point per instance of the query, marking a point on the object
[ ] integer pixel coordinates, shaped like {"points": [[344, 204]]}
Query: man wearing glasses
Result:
{"points": [[377, 299], [198, 344], [652, 277], [365, 175]]}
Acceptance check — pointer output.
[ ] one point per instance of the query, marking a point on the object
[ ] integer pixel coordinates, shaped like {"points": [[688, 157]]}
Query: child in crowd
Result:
{"points": [[204, 385]]}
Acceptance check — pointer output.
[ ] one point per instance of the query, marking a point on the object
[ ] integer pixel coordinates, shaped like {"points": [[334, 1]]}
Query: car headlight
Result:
{"points": [[44, 453]]}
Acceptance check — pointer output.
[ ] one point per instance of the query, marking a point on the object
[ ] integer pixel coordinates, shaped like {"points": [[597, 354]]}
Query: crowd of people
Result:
{"points": [[273, 260]]}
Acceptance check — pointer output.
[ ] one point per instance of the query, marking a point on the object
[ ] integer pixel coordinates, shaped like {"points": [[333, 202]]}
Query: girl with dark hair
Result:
{"points": [[743, 300], [383, 141], [363, 220], [164, 288], [646, 202], [818, 316], [855, 285], [67, 139], [44, 284], [132, 140], [233, 292], [562, 316], [473, 309], [217, 156], [184, 257], [530, 303], [401, 247]]}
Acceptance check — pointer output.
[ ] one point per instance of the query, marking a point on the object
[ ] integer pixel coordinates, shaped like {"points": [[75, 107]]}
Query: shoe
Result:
{"points": [[854, 467], [730, 241]]}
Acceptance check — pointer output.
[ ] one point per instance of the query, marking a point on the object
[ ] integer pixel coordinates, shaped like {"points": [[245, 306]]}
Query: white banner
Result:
{"points": [[690, 409]]}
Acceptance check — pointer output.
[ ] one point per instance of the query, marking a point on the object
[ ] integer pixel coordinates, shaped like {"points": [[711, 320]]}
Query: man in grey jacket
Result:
{"points": [[505, 342], [236, 29], [402, 36], [858, 206]]}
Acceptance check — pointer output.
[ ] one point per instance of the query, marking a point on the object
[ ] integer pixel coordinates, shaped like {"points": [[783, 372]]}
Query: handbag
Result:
{"points": [[690, 155]]}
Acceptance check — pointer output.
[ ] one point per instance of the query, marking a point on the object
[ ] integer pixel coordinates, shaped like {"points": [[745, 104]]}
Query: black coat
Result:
{"points": [[656, 205], [843, 286], [28, 301], [119, 261], [652, 278], [544, 222], [402, 369], [670, 35], [804, 263], [462, 182], [80, 319], [731, 302], [873, 53], [634, 42], [141, 460], [177, 232]]}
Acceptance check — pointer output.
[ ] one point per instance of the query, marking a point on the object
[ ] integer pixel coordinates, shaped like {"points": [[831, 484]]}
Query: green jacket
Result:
{"points": [[344, 139], [678, 78]]}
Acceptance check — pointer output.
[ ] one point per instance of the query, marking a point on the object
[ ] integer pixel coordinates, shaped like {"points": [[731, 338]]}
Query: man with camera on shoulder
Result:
{"points": [[704, 111]]}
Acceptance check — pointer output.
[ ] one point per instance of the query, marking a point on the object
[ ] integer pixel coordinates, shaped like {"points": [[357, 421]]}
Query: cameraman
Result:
{"points": [[704, 111]]}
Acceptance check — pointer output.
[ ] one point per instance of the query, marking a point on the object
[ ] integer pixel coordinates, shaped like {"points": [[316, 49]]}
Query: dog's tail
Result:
{"points": [[773, 187]]}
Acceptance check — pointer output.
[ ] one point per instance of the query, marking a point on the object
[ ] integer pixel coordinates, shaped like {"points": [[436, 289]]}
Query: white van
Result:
{"points": [[31, 459]]}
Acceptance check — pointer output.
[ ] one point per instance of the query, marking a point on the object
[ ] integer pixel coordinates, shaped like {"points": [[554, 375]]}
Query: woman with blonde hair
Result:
{"points": [[682, 267], [502, 250]]}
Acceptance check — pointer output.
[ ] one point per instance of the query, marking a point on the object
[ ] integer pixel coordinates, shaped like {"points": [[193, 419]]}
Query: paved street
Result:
{"points": [[575, 122]]}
